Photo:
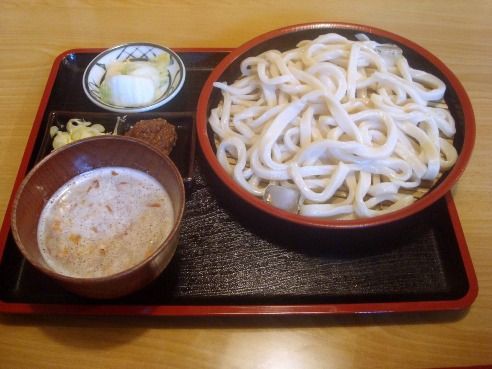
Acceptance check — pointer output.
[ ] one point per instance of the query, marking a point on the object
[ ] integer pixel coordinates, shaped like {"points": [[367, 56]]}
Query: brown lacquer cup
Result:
{"points": [[228, 70], [69, 161]]}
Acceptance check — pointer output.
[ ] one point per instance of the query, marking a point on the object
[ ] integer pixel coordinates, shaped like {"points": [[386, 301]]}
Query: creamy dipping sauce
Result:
{"points": [[104, 221]]}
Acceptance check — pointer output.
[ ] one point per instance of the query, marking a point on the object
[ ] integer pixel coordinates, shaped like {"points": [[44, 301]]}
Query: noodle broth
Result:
{"points": [[103, 222]]}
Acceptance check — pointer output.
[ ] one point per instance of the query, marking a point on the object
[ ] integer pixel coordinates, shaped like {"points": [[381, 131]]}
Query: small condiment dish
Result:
{"points": [[79, 157], [97, 71]]}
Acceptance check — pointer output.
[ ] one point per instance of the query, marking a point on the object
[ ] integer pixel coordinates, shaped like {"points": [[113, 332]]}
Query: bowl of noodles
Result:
{"points": [[334, 125]]}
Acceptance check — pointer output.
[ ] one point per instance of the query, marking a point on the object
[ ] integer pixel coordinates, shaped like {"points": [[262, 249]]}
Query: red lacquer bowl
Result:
{"points": [[286, 38], [81, 156]]}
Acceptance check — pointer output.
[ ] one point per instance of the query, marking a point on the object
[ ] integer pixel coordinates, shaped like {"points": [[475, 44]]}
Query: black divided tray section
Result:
{"points": [[228, 255]]}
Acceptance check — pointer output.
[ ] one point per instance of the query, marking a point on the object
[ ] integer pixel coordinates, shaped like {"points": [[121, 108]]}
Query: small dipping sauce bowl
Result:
{"points": [[82, 156]]}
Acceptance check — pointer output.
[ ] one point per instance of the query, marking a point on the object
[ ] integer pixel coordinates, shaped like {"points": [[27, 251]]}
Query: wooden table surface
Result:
{"points": [[33, 33]]}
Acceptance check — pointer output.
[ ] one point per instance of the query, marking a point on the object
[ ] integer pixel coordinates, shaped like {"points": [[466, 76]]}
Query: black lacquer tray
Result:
{"points": [[232, 261]]}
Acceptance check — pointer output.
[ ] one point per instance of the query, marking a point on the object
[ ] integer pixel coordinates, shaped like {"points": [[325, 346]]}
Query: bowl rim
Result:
{"points": [[155, 104], [439, 191], [91, 280]]}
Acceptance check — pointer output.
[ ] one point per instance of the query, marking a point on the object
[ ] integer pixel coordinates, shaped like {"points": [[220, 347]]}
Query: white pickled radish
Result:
{"points": [[144, 69], [126, 90]]}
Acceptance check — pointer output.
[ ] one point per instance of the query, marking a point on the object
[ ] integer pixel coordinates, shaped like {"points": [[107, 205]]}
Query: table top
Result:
{"points": [[32, 34]]}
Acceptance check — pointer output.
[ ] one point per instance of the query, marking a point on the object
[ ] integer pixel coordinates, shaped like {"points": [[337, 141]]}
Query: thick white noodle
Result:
{"points": [[350, 127]]}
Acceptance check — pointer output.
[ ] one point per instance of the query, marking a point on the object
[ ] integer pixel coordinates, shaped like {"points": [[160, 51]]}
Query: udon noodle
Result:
{"points": [[349, 124]]}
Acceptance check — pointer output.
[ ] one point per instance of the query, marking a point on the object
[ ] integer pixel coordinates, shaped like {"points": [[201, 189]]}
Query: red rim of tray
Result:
{"points": [[438, 192]]}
